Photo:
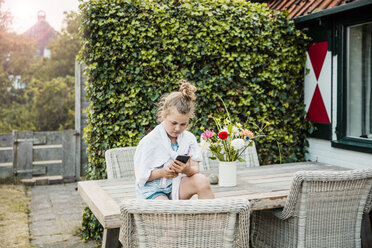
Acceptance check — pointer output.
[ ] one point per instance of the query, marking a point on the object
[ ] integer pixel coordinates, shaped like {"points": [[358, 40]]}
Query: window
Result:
{"points": [[46, 53], [359, 81], [354, 88]]}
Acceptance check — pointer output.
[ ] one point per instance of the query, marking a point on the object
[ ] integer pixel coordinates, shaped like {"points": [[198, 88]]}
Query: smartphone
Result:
{"points": [[183, 158]]}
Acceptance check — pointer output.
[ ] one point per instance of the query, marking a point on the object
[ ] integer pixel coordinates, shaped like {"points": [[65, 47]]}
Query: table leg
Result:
{"points": [[111, 238]]}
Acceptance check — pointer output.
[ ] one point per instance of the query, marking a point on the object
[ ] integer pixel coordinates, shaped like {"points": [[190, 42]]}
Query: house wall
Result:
{"points": [[321, 151]]}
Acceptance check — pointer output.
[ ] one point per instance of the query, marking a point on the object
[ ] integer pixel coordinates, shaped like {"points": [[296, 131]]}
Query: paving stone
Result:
{"points": [[46, 227], [72, 243], [38, 195], [42, 205], [42, 217], [62, 201], [39, 210], [38, 189], [49, 239], [68, 226]]}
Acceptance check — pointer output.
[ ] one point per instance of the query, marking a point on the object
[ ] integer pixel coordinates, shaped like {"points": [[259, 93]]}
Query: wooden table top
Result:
{"points": [[267, 187]]}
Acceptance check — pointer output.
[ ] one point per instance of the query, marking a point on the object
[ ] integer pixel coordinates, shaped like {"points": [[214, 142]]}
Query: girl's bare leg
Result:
{"points": [[161, 197], [196, 184]]}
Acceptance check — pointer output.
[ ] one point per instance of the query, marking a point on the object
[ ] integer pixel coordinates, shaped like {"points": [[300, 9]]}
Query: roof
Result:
{"points": [[41, 33], [297, 8]]}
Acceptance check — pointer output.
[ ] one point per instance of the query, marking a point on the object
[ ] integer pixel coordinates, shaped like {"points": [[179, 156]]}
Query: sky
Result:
{"points": [[24, 12]]}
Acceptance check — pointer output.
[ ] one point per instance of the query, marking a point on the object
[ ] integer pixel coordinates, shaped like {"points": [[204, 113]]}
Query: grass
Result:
{"points": [[14, 209]]}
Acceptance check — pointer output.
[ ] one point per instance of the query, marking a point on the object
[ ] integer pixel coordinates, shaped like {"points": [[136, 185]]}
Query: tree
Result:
{"points": [[46, 106], [5, 20], [5, 82], [53, 104], [16, 117], [16, 56]]}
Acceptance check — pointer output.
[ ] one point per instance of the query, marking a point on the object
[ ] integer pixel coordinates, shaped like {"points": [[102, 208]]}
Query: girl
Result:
{"points": [[158, 175]]}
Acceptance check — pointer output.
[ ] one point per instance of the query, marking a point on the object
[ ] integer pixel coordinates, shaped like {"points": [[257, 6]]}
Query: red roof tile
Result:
{"points": [[298, 8]]}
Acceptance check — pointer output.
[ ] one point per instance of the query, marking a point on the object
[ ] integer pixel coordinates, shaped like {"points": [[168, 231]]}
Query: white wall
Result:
{"points": [[322, 151]]}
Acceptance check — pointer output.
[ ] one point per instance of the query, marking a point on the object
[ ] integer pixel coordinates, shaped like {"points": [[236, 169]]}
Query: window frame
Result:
{"points": [[340, 30]]}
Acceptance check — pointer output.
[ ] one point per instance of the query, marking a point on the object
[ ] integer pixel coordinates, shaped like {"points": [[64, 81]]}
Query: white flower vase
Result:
{"points": [[227, 174]]}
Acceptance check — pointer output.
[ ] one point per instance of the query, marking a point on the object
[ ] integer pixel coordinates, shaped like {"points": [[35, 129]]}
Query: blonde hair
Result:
{"points": [[182, 101]]}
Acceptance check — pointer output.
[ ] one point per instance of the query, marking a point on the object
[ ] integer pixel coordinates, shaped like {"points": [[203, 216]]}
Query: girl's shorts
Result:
{"points": [[156, 194], [153, 189]]}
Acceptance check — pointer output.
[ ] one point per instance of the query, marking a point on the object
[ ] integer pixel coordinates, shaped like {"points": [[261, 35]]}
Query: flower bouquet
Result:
{"points": [[230, 141], [227, 145]]}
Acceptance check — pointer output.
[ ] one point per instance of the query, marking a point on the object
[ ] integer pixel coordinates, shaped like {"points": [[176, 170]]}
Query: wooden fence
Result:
{"points": [[28, 154], [81, 104]]}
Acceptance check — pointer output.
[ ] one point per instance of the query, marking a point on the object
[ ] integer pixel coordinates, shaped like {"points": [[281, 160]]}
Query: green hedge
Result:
{"points": [[135, 51]]}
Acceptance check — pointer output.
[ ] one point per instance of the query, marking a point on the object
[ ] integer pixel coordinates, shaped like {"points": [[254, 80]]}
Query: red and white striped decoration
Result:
{"points": [[318, 83]]}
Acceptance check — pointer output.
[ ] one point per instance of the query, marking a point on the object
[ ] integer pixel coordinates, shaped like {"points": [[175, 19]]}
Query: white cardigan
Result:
{"points": [[154, 150]]}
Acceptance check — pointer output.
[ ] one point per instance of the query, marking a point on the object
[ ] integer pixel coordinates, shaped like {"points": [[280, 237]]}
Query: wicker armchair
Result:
{"points": [[323, 209], [119, 162], [249, 155], [192, 223]]}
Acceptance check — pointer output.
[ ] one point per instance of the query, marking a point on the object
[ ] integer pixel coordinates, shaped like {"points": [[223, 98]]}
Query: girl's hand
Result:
{"points": [[180, 167], [168, 172]]}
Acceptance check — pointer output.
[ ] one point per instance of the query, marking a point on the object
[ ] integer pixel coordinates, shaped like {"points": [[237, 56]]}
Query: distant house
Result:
{"points": [[42, 33], [338, 87]]}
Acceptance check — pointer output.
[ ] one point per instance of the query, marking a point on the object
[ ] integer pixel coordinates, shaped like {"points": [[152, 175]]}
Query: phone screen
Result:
{"points": [[183, 158]]}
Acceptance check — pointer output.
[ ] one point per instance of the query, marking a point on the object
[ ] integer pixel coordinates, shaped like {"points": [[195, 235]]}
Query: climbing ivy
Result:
{"points": [[135, 51]]}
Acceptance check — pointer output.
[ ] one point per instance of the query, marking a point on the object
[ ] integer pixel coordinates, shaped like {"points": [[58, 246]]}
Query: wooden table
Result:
{"points": [[266, 187]]}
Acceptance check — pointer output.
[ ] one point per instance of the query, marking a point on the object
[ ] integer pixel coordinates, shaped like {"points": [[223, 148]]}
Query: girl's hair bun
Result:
{"points": [[188, 90], [182, 101]]}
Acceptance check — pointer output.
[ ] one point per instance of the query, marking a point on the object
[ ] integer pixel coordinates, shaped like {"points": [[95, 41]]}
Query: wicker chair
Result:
{"points": [[119, 162], [249, 155], [323, 209], [192, 223]]}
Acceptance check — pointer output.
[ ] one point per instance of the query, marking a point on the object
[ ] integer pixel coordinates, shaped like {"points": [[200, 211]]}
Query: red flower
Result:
{"points": [[223, 135]]}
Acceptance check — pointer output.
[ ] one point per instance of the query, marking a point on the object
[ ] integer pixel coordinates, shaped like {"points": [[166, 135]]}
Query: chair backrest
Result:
{"points": [[249, 155], [329, 205], [119, 162], [185, 223]]}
